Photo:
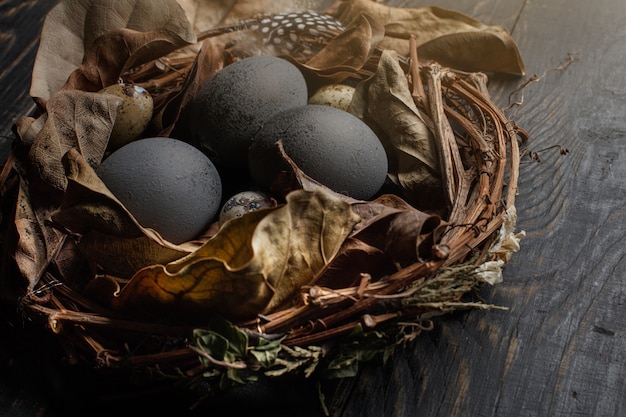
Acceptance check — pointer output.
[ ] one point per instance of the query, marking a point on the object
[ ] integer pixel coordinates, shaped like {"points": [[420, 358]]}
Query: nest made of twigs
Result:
{"points": [[331, 330]]}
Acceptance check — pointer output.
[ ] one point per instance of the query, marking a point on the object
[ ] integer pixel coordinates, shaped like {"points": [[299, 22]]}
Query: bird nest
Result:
{"points": [[395, 269]]}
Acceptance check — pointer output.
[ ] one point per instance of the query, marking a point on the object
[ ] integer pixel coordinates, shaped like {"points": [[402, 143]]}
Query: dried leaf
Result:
{"points": [[390, 231], [205, 15], [29, 127], [448, 37], [109, 234], [355, 258], [291, 178], [385, 99], [116, 51], [405, 234], [72, 27], [208, 61], [374, 211], [254, 263], [345, 54], [73, 268], [44, 141], [37, 243], [294, 243], [490, 49], [74, 119]]}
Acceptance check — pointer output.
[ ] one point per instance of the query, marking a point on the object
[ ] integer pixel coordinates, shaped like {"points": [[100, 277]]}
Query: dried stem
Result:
{"points": [[418, 93], [57, 316], [571, 57]]}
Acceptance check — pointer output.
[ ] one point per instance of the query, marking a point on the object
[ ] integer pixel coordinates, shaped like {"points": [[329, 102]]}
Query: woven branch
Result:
{"points": [[378, 314]]}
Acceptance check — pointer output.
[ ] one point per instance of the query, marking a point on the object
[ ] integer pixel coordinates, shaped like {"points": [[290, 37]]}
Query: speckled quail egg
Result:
{"points": [[233, 105], [133, 115], [166, 184], [334, 95], [330, 145], [244, 202]]}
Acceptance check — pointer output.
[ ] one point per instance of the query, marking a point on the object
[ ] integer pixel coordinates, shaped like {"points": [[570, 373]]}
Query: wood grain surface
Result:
{"points": [[20, 23], [560, 349]]}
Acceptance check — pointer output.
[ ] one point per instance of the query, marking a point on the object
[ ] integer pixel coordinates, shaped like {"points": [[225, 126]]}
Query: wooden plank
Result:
{"points": [[19, 37], [560, 349], [20, 390], [504, 13]]}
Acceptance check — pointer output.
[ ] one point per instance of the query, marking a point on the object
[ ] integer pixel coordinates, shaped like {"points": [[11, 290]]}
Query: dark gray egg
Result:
{"points": [[233, 105], [330, 145], [166, 184]]}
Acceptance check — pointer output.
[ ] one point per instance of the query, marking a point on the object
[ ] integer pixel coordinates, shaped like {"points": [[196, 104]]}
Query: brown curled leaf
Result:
{"points": [[254, 264], [37, 243], [43, 142], [344, 55], [116, 51], [355, 259], [72, 27], [390, 224], [386, 101], [74, 120], [446, 36], [208, 61]]}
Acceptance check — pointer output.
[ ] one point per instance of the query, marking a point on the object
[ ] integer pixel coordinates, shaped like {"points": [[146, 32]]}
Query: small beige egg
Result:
{"points": [[334, 95], [244, 202], [133, 115]]}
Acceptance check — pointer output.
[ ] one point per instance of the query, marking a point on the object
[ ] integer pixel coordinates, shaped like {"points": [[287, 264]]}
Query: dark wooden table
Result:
{"points": [[561, 348]]}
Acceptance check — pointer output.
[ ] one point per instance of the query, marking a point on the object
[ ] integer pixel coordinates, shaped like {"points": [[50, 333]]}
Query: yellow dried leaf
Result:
{"points": [[345, 54], [446, 36], [254, 264]]}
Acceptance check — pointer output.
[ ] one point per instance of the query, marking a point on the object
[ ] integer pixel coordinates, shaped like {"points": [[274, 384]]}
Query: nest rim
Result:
{"points": [[480, 201]]}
